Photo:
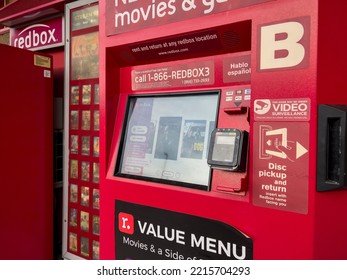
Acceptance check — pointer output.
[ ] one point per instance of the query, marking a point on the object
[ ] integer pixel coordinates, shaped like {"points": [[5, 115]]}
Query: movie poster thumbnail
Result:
{"points": [[194, 132], [74, 168], [86, 94], [96, 147], [95, 172], [150, 137], [85, 149], [85, 196], [84, 224], [96, 250], [85, 120], [85, 56], [85, 168], [212, 126], [74, 144], [74, 119], [96, 224], [75, 93], [96, 120], [73, 193], [96, 94], [84, 246], [73, 217], [96, 199], [168, 138], [72, 241]]}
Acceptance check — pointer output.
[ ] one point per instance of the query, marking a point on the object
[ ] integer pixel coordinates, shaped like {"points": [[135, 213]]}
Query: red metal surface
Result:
{"points": [[26, 163], [277, 234], [22, 11]]}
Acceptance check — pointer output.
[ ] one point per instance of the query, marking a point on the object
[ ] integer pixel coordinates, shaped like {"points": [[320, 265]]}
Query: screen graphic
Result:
{"points": [[166, 138]]}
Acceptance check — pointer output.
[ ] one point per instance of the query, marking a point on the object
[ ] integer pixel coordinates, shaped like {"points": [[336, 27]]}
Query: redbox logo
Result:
{"points": [[31, 37], [39, 36], [126, 223], [285, 44]]}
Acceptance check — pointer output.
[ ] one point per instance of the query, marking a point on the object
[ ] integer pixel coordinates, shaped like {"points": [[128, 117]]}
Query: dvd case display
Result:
{"points": [[96, 94], [96, 199], [85, 246], [84, 223], [86, 94], [85, 149], [73, 193], [74, 119], [73, 217], [96, 224], [74, 95], [73, 242], [85, 196], [96, 150], [96, 120], [74, 168], [82, 228], [73, 144], [85, 120]]}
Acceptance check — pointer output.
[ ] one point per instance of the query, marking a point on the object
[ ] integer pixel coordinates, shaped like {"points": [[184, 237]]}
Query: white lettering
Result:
{"points": [[295, 52], [218, 247], [165, 233], [116, 2], [273, 188], [124, 221], [140, 14], [276, 166], [33, 38], [210, 4], [285, 107], [191, 73], [133, 243]]}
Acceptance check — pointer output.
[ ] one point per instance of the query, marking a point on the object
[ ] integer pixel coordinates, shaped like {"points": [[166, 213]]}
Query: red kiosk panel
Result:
{"points": [[271, 80], [26, 124]]}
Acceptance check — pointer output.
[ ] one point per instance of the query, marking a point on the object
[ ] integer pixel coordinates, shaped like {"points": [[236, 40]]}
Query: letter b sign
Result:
{"points": [[284, 45]]}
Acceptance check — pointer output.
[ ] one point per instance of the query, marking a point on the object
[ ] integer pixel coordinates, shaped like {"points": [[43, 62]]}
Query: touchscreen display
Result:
{"points": [[166, 138]]}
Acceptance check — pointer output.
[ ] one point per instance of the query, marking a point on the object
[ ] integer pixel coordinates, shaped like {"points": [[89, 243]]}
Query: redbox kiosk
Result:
{"points": [[222, 129]]}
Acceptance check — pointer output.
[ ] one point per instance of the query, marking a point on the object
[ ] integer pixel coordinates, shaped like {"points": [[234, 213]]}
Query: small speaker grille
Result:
{"points": [[231, 39]]}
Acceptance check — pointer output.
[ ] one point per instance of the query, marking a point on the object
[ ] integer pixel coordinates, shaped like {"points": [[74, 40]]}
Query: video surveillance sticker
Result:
{"points": [[295, 109]]}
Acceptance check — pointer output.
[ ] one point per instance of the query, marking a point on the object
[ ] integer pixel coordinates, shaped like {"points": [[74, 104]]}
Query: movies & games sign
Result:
{"points": [[130, 15]]}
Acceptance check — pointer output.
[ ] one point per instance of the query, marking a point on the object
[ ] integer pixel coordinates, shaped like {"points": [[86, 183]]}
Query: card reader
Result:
{"points": [[228, 149]]}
